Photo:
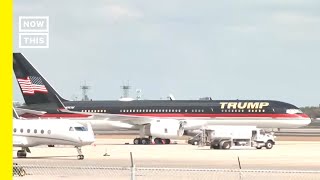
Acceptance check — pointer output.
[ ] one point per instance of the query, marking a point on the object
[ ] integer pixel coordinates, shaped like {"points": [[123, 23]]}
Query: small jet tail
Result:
{"points": [[15, 114], [34, 87]]}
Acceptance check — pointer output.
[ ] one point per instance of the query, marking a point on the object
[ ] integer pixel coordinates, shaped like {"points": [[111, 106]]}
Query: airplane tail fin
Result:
{"points": [[34, 87]]}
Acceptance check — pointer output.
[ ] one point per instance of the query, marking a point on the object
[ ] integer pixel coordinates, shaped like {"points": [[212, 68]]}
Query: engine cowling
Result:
{"points": [[166, 129]]}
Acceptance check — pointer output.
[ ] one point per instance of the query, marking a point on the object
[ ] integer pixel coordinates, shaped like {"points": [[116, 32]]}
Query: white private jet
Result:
{"points": [[29, 133]]}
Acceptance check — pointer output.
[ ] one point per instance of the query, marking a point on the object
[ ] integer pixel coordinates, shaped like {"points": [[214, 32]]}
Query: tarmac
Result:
{"points": [[113, 156]]}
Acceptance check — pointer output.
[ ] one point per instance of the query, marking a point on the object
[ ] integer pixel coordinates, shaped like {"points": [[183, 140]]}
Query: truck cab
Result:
{"points": [[263, 139]]}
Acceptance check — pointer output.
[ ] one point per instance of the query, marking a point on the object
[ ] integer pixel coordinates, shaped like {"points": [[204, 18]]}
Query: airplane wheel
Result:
{"points": [[145, 141], [167, 141], [137, 141], [21, 154], [158, 141], [80, 157]]}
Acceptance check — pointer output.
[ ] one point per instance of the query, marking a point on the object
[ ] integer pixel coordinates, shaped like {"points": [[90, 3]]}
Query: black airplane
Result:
{"points": [[163, 119]]}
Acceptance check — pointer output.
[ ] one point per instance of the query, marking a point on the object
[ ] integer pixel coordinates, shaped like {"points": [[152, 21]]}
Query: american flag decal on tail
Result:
{"points": [[32, 84]]}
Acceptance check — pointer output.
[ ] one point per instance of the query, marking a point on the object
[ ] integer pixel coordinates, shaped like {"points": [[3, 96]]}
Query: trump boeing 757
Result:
{"points": [[158, 119]]}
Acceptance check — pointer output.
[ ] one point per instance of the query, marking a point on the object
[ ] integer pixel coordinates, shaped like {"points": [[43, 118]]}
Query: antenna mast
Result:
{"points": [[125, 90], [85, 89]]}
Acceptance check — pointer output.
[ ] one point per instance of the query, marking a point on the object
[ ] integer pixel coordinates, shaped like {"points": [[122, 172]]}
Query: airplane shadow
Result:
{"points": [[229, 149], [139, 144]]}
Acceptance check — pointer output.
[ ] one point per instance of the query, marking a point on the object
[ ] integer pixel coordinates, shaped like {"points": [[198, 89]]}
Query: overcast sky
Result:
{"points": [[224, 49]]}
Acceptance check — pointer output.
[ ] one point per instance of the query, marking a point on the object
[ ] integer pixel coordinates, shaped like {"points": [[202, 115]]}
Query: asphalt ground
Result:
{"points": [[289, 153]]}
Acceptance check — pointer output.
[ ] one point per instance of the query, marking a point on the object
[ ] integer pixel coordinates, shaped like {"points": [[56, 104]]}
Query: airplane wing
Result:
{"points": [[123, 120], [130, 119], [21, 111]]}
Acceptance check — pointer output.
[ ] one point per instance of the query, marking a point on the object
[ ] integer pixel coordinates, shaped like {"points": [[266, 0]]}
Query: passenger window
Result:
{"points": [[28, 131], [35, 131], [49, 131], [14, 130], [42, 131], [21, 130]]}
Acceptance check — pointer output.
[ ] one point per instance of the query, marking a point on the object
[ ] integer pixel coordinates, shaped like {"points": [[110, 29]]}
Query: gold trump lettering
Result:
{"points": [[243, 105]]}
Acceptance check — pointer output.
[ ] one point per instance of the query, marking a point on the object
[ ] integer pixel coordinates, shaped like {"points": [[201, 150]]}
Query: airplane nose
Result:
{"points": [[87, 140], [305, 118], [309, 121]]}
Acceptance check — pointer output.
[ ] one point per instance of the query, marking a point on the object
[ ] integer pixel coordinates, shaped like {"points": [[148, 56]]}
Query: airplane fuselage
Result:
{"points": [[29, 133], [261, 113]]}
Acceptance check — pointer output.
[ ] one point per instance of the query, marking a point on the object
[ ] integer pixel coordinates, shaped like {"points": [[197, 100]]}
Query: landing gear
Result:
{"points": [[22, 153], [145, 141], [158, 141], [137, 141], [80, 156], [162, 141], [149, 140], [141, 141]]}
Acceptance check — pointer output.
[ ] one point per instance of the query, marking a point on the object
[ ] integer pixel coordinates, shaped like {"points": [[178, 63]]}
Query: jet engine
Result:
{"points": [[166, 129]]}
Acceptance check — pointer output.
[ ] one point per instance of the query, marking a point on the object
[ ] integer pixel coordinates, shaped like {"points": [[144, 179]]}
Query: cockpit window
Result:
{"points": [[71, 129], [81, 128], [294, 111]]}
